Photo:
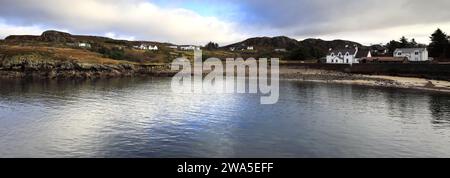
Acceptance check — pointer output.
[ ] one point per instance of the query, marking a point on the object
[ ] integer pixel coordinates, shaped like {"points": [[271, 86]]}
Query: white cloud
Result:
{"points": [[135, 18], [6, 30]]}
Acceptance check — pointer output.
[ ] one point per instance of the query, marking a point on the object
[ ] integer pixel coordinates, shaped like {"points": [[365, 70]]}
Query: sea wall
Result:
{"points": [[429, 71]]}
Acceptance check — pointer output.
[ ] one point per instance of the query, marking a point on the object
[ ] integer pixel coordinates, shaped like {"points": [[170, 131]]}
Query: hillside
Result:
{"points": [[295, 50], [267, 42]]}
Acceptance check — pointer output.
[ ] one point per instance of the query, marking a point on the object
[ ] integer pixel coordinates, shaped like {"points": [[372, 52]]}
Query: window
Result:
{"points": [[332, 54], [346, 54], [417, 53], [347, 61], [399, 53]]}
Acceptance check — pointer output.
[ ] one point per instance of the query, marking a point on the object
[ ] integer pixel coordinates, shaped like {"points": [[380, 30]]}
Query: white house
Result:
{"points": [[280, 50], [84, 45], [413, 54], [153, 48], [146, 47], [347, 55], [250, 48], [189, 47]]}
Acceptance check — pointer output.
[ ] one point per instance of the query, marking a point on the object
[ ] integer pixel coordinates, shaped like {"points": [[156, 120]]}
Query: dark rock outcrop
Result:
{"points": [[56, 36]]}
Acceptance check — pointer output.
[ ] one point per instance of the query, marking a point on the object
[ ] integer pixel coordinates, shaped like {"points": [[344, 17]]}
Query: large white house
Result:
{"points": [[413, 54], [347, 55]]}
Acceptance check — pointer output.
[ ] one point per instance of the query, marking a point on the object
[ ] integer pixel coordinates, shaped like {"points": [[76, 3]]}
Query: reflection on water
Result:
{"points": [[141, 117]]}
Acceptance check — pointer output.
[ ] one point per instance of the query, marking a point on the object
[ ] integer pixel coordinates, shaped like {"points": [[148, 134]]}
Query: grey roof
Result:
{"points": [[410, 50], [362, 53], [343, 51]]}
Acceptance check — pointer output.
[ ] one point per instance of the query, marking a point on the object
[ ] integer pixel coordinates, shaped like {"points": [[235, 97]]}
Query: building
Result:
{"points": [[413, 54], [250, 48], [146, 47], [347, 55], [173, 47], [84, 45], [153, 48], [189, 47]]}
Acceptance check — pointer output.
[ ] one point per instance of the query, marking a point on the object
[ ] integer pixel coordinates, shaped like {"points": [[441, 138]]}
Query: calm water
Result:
{"points": [[143, 118]]}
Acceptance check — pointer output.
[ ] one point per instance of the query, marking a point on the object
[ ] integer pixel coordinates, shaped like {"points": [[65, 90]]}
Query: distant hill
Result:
{"points": [[268, 42], [296, 50], [53, 36]]}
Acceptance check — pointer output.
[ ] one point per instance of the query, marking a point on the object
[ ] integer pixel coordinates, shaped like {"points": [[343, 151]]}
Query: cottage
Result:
{"points": [[346, 55], [189, 47], [146, 47], [413, 54], [153, 48], [84, 45]]}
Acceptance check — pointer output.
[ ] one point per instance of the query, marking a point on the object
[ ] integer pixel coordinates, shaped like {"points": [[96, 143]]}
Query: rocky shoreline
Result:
{"points": [[52, 69], [327, 76], [49, 69]]}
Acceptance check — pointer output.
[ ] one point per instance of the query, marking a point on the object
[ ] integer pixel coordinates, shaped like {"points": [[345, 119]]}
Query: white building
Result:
{"points": [[84, 45], [153, 48], [250, 48], [347, 55], [146, 47], [280, 50], [413, 54], [189, 47]]}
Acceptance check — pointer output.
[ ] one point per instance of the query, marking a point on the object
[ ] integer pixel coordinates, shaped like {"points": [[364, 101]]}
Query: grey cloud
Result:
{"points": [[314, 17]]}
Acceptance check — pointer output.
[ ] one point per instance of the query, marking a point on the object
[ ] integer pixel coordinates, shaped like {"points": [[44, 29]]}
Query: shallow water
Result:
{"points": [[141, 117]]}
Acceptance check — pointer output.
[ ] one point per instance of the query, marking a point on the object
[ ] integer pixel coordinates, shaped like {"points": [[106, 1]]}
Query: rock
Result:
{"points": [[56, 36]]}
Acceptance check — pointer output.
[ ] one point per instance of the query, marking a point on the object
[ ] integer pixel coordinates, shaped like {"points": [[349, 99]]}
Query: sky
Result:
{"points": [[200, 21]]}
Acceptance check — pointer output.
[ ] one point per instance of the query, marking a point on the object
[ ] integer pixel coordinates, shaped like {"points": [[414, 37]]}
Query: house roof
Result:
{"points": [[362, 53], [343, 51], [410, 50]]}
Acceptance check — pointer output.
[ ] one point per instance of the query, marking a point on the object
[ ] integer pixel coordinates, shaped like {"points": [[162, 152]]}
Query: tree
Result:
{"points": [[404, 43], [392, 45], [439, 44], [212, 46], [301, 53], [414, 43]]}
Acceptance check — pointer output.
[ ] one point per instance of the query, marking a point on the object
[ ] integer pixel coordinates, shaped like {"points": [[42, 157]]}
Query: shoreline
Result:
{"points": [[326, 76], [81, 71]]}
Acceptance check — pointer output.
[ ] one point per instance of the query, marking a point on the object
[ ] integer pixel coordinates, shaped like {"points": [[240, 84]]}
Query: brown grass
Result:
{"points": [[64, 54]]}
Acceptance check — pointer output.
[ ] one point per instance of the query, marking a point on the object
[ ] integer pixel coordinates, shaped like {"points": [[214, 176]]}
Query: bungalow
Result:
{"points": [[146, 47], [153, 48], [346, 55], [413, 54], [84, 45], [189, 47]]}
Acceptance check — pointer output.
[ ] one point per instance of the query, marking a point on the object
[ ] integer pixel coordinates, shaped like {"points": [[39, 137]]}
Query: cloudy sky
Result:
{"points": [[200, 21]]}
